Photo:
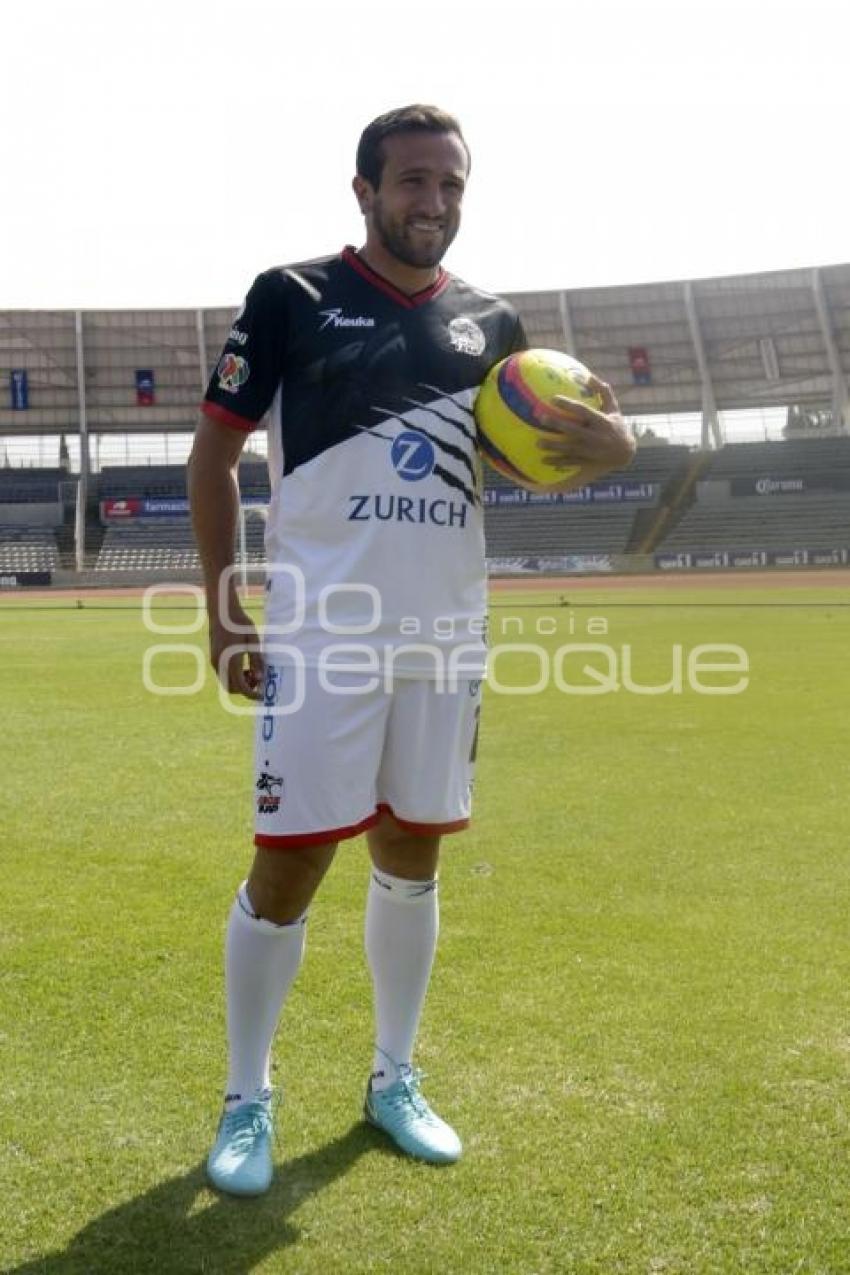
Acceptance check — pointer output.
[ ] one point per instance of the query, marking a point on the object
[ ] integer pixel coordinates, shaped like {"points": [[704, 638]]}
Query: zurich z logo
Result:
{"points": [[412, 456]]}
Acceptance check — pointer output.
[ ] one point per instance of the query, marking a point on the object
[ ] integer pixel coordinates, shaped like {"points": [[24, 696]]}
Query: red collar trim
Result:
{"points": [[439, 285]]}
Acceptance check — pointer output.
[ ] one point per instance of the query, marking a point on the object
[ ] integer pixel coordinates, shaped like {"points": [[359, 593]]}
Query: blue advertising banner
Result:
{"points": [[145, 391], [571, 563], [672, 561], [639, 363], [163, 507], [829, 557], [113, 510], [600, 493], [800, 557], [748, 558], [19, 389], [708, 561], [789, 558], [23, 579]]}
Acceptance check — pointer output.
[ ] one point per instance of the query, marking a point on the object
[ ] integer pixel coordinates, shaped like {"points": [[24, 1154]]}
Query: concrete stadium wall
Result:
{"points": [[31, 514]]}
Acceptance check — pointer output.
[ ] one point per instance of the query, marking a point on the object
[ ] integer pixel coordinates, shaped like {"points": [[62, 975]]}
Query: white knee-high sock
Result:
{"points": [[402, 924], [261, 961]]}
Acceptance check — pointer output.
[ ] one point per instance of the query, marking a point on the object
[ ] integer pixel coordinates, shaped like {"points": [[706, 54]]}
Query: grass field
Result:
{"points": [[640, 1015]]}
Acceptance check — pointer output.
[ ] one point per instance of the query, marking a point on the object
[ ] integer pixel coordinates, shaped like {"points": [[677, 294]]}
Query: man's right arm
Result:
{"points": [[214, 501]]}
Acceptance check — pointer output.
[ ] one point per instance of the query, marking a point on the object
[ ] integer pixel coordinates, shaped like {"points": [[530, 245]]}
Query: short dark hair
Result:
{"points": [[404, 119]]}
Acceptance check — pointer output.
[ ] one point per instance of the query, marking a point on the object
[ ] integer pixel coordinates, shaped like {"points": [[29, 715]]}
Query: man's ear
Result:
{"points": [[363, 192]]}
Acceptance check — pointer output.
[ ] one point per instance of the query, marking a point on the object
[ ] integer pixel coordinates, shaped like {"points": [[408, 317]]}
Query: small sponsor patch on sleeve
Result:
{"points": [[233, 371]]}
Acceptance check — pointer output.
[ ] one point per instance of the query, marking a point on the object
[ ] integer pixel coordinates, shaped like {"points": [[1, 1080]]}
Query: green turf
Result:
{"points": [[640, 1014]]}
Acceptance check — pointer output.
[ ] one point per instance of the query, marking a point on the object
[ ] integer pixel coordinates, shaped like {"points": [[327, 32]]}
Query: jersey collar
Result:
{"points": [[439, 285]]}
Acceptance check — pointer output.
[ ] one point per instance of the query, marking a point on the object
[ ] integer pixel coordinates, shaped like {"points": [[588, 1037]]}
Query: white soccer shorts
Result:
{"points": [[328, 770]]}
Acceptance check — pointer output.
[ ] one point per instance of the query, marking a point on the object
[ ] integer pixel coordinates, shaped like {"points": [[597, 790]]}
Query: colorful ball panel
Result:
{"points": [[514, 401]]}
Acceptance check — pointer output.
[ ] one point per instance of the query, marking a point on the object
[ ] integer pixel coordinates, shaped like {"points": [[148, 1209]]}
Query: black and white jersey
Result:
{"points": [[375, 531]]}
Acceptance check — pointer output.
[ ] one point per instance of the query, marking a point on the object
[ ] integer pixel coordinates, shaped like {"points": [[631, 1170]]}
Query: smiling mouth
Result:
{"points": [[426, 227]]}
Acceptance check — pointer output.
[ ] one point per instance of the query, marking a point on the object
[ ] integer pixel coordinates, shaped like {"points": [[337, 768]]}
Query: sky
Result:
{"points": [[163, 154]]}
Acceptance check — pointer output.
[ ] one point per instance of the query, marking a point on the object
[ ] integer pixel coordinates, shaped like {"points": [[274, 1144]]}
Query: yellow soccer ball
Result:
{"points": [[515, 397]]}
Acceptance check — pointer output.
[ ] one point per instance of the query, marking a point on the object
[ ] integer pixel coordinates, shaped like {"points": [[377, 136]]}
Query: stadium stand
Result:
{"points": [[650, 465], [556, 530], [148, 546], [777, 495], [790, 457], [164, 544], [144, 482], [30, 508], [168, 482], [30, 486], [814, 522], [552, 530], [27, 549], [775, 341], [655, 464], [254, 480]]}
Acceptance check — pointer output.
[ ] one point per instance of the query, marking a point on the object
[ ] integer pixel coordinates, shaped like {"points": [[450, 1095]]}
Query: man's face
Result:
{"points": [[415, 212]]}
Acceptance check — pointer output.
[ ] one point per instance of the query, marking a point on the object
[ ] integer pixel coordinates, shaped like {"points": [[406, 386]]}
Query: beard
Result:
{"points": [[398, 241]]}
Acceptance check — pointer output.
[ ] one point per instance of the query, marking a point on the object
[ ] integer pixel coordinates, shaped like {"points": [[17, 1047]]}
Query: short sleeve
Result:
{"points": [[520, 340], [249, 369]]}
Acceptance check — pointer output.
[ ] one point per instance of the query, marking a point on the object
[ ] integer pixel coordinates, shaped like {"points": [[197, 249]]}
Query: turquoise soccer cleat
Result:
{"points": [[403, 1113], [240, 1163]]}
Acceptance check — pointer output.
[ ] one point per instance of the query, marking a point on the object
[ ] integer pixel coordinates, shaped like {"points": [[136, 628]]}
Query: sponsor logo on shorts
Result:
{"points": [[466, 336], [233, 372], [269, 793]]}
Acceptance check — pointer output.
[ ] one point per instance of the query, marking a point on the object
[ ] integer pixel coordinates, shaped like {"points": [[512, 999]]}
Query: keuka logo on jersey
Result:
{"points": [[340, 320]]}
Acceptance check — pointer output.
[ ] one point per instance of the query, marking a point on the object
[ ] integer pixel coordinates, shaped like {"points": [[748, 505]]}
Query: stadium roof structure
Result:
{"points": [[705, 345], [708, 345]]}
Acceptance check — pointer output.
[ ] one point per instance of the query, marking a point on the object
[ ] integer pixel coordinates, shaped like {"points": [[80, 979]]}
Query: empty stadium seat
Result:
{"points": [[27, 549], [166, 544], [22, 486], [772, 522]]}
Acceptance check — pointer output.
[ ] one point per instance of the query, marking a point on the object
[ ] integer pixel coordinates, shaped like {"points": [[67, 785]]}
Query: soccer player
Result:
{"points": [[366, 365]]}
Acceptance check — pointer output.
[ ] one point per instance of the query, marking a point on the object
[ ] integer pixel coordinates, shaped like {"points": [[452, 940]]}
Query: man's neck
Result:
{"points": [[408, 279]]}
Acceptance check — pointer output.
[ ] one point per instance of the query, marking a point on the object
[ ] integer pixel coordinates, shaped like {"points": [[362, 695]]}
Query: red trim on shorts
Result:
{"points": [[455, 825], [225, 417], [293, 840], [410, 302]]}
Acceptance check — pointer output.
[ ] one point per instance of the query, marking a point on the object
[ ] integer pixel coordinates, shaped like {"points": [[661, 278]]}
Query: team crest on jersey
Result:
{"points": [[233, 371], [466, 336]]}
